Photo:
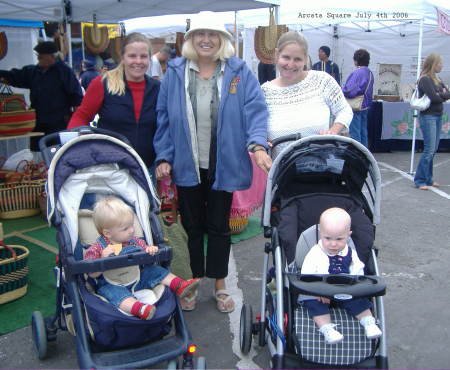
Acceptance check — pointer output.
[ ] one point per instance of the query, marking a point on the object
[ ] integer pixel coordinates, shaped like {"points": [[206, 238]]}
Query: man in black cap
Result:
{"points": [[54, 89], [327, 65]]}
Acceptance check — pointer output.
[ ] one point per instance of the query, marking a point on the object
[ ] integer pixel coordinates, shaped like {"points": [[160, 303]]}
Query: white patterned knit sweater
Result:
{"points": [[305, 107]]}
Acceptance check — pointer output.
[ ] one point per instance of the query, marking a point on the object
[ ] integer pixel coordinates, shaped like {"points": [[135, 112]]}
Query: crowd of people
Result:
{"points": [[198, 121]]}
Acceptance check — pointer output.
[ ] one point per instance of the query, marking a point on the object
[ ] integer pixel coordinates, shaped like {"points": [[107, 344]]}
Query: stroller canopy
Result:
{"points": [[326, 156]]}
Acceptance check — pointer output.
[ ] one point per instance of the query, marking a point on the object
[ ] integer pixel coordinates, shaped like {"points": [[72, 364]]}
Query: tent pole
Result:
{"points": [[419, 59], [277, 22], [69, 42]]}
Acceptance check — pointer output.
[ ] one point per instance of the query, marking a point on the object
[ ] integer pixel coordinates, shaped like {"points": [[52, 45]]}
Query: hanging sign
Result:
{"points": [[443, 19]]}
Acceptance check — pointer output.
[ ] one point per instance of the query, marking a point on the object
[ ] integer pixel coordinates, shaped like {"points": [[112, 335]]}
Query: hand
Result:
{"points": [[151, 249], [323, 300], [106, 252], [263, 160], [326, 132], [162, 171], [269, 143]]}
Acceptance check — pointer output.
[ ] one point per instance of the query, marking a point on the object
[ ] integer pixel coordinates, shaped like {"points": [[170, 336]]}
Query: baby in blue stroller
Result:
{"points": [[114, 221]]}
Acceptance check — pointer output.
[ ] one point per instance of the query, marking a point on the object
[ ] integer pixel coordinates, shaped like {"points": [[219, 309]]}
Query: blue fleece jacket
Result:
{"points": [[242, 121]]}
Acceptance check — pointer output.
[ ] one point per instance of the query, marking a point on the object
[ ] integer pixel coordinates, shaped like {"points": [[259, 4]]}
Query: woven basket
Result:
{"points": [[42, 199], [18, 122], [13, 272], [19, 200], [238, 224]]}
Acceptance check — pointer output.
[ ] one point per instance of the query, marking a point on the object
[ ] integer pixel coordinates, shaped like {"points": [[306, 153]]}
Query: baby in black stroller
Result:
{"points": [[332, 255], [114, 221]]}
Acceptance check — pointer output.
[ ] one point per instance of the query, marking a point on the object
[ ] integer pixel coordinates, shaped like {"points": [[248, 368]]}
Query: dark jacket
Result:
{"points": [[87, 77], [117, 114], [427, 86], [52, 93]]}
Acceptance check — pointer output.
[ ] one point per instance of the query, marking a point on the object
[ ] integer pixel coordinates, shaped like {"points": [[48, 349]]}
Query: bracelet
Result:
{"points": [[259, 148]]}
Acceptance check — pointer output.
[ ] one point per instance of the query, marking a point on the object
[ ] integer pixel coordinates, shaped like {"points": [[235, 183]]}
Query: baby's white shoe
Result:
{"points": [[331, 335], [370, 326]]}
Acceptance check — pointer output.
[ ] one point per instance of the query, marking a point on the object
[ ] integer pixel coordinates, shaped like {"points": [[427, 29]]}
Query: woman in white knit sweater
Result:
{"points": [[300, 101]]}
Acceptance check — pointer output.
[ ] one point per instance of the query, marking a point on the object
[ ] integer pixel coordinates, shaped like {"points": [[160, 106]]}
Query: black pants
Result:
{"points": [[47, 130], [200, 205]]}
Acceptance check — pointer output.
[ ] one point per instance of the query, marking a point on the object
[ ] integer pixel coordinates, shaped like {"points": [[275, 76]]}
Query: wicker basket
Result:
{"points": [[42, 199], [19, 200], [13, 272], [17, 122], [238, 224]]}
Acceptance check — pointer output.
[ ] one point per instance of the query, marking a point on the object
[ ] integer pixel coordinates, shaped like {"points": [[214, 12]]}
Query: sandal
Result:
{"points": [[189, 300], [435, 184], [423, 187], [224, 301]]}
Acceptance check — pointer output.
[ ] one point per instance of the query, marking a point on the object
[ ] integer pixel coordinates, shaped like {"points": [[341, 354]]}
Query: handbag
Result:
{"points": [[417, 103], [356, 102]]}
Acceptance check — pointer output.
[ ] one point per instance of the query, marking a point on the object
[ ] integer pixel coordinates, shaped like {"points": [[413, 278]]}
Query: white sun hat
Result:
{"points": [[207, 21]]}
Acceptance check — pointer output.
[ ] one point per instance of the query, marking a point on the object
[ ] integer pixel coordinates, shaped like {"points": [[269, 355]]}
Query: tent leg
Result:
{"points": [[419, 59]]}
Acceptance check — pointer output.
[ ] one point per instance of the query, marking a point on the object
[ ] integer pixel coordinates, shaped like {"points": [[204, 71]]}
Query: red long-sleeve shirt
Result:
{"points": [[93, 101]]}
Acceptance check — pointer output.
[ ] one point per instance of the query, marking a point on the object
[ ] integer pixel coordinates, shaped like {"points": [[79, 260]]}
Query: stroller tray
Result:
{"points": [[338, 287]]}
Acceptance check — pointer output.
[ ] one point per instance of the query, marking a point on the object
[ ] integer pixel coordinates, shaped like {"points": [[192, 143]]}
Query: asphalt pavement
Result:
{"points": [[414, 260]]}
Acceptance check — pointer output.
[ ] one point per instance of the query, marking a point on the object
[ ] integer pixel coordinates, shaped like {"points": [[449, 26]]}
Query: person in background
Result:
{"points": [[300, 101], [173, 54], [154, 69], [360, 82], [104, 69], [89, 74], [327, 65], [266, 72], [211, 112], [125, 99], [54, 90], [430, 119]]}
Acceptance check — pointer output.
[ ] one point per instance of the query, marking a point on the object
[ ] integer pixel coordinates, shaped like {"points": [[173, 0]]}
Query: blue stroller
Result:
{"points": [[92, 165], [309, 176]]}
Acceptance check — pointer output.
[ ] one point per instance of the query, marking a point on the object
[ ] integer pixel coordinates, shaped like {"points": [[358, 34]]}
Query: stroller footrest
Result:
{"points": [[144, 356], [339, 287]]}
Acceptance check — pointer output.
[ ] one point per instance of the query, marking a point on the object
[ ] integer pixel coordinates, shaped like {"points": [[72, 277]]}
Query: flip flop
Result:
{"points": [[224, 301], [423, 187], [435, 184], [189, 300]]}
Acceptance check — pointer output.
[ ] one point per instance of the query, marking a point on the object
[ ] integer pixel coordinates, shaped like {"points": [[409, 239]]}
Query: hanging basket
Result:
{"points": [[3, 45], [61, 40], [266, 39], [114, 48], [179, 43], [95, 38], [13, 271]]}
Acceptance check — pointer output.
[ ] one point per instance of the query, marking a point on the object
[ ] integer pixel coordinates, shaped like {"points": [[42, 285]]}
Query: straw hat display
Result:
{"points": [[95, 38], [3, 45], [266, 39]]}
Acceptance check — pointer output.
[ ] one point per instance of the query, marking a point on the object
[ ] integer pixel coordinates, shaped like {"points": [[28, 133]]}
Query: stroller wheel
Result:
{"points": [[201, 363], [172, 364], [245, 330], [39, 333]]}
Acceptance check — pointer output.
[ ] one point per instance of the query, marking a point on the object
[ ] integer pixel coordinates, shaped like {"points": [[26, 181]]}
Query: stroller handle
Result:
{"points": [[283, 139], [44, 142]]}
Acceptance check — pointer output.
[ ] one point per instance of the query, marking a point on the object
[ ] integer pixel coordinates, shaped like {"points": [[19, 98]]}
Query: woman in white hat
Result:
{"points": [[211, 111]]}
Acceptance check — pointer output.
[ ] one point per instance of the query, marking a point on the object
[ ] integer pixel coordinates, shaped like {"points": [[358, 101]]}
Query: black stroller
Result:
{"points": [[97, 163], [309, 176]]}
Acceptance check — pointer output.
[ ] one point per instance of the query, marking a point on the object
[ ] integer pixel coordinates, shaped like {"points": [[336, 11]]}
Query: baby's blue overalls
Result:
{"points": [[151, 276]]}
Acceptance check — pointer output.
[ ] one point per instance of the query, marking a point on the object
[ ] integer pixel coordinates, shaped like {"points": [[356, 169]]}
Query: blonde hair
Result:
{"points": [[226, 49], [292, 37], [428, 67], [116, 84], [109, 212]]}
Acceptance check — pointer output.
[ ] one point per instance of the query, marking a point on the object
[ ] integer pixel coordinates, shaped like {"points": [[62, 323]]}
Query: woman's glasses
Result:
{"points": [[170, 191]]}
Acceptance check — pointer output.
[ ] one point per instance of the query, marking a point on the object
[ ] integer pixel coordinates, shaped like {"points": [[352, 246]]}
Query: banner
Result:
{"points": [[443, 21], [113, 29]]}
